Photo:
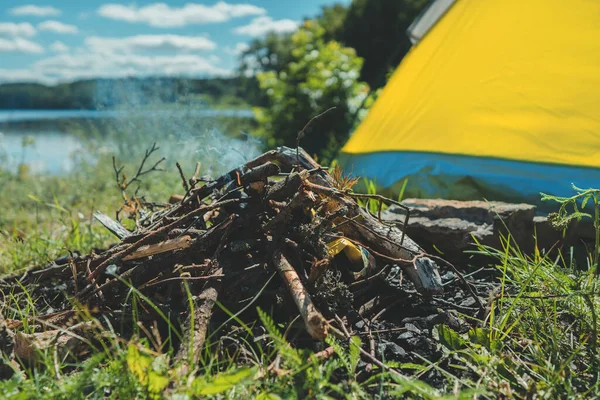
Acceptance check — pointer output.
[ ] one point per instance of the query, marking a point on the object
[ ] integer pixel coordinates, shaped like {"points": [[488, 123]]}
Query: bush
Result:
{"points": [[320, 75]]}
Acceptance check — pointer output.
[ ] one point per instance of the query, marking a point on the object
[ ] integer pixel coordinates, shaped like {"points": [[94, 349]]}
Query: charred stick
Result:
{"points": [[152, 235], [288, 187], [205, 241], [270, 155], [299, 200], [181, 174], [259, 173], [187, 231]]}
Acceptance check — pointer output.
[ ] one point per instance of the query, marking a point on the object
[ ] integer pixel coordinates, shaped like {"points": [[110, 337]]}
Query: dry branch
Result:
{"points": [[315, 323], [196, 326]]}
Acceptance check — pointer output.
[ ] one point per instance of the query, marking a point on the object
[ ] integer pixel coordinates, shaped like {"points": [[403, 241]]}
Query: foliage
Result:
{"points": [[320, 75], [573, 208], [271, 53], [377, 30]]}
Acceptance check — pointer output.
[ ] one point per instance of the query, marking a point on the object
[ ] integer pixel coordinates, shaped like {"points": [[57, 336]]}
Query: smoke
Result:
{"points": [[185, 128]]}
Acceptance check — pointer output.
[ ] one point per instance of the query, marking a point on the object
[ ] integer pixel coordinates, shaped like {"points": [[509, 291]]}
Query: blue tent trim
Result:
{"points": [[446, 175]]}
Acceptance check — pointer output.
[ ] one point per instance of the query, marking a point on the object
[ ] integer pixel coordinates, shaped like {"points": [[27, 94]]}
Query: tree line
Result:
{"points": [[109, 93]]}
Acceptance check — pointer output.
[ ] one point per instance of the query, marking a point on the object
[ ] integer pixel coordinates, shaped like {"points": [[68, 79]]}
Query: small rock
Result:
{"points": [[436, 319], [468, 302], [448, 276], [414, 343], [406, 336], [455, 323], [412, 328], [391, 350], [395, 350], [360, 324]]}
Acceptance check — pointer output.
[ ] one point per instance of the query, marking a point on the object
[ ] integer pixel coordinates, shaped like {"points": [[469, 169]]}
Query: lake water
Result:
{"points": [[51, 144]]}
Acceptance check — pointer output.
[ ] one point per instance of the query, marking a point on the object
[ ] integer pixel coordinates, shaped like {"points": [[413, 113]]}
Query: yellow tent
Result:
{"points": [[497, 99]]}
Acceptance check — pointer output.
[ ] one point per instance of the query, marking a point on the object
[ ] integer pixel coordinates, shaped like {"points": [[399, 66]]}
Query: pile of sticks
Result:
{"points": [[224, 240]]}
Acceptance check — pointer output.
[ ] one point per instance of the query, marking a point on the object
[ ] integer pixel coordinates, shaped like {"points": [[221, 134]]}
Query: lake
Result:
{"points": [[51, 142]]}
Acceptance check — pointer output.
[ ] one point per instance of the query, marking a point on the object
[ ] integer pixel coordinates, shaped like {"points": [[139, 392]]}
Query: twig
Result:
{"points": [[124, 184], [386, 309], [463, 280], [325, 354], [183, 278], [184, 182], [464, 276], [368, 278], [301, 133]]}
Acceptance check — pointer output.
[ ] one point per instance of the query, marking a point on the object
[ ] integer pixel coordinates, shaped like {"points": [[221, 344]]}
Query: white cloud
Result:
{"points": [[57, 27], [262, 25], [35, 11], [59, 47], [91, 65], [86, 65], [19, 45], [238, 49], [163, 16], [12, 29], [164, 43], [20, 75]]}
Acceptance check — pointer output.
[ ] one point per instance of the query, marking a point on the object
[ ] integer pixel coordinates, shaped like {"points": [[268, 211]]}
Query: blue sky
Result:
{"points": [[65, 40]]}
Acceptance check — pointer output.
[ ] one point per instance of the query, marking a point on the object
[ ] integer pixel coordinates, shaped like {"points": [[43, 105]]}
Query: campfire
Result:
{"points": [[280, 233]]}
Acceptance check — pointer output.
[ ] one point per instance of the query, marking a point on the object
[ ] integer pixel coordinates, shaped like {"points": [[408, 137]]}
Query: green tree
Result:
{"points": [[320, 74], [376, 29]]}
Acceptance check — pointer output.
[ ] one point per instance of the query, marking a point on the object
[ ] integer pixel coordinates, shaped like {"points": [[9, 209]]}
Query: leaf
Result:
{"points": [[222, 382], [340, 351], [480, 336], [34, 198], [269, 324], [416, 367], [354, 352], [450, 338], [150, 371], [138, 363], [511, 376], [157, 382]]}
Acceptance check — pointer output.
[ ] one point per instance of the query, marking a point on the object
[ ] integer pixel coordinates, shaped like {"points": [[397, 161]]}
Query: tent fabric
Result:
{"points": [[504, 93]]}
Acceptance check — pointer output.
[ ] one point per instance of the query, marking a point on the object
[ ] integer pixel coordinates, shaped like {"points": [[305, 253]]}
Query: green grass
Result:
{"points": [[539, 339]]}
